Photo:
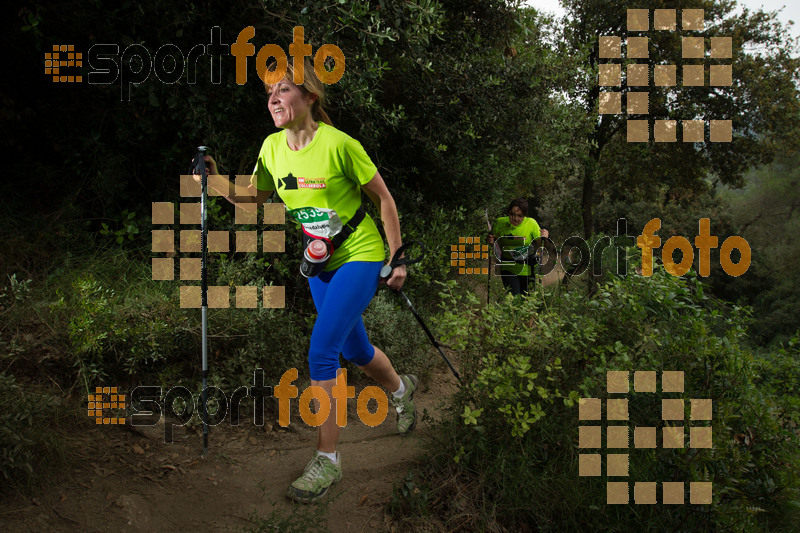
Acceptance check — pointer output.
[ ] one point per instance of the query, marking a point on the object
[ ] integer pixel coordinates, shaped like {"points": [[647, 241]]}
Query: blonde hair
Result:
{"points": [[311, 85]]}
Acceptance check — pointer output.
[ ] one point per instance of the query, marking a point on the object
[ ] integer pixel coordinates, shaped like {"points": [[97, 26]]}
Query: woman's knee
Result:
{"points": [[360, 357]]}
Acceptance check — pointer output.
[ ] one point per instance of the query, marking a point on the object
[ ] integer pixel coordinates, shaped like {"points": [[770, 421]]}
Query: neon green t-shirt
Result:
{"points": [[528, 228], [327, 173]]}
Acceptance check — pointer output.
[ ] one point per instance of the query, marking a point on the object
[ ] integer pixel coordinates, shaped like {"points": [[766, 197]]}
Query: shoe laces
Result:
{"points": [[398, 405], [314, 470]]}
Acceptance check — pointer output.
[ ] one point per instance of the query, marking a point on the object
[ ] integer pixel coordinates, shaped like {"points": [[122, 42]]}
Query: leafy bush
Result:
{"points": [[122, 327], [507, 451], [437, 231], [392, 328], [17, 291], [130, 229], [272, 339], [28, 446]]}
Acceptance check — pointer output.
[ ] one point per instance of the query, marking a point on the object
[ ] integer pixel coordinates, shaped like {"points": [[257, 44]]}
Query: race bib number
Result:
{"points": [[508, 247], [520, 253], [317, 221]]}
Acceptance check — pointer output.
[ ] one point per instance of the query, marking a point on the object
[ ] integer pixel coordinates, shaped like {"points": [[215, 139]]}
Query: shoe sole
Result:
{"points": [[311, 498]]}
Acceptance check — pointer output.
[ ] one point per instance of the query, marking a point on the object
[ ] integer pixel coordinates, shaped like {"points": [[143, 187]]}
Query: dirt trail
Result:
{"points": [[128, 482]]}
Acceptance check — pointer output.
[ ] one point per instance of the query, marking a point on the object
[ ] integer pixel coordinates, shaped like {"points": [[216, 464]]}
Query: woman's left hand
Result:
{"points": [[397, 278]]}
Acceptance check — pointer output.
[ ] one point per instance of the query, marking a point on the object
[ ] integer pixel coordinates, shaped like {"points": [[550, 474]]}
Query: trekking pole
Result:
{"points": [[386, 271], [199, 166]]}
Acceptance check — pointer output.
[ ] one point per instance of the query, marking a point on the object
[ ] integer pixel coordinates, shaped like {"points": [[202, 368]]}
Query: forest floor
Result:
{"points": [[124, 478], [128, 479]]}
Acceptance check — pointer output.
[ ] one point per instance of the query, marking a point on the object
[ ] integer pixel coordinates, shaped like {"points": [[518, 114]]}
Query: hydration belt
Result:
{"points": [[349, 228]]}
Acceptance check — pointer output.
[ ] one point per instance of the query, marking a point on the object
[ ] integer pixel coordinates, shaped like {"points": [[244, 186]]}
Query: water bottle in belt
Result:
{"points": [[315, 257]]}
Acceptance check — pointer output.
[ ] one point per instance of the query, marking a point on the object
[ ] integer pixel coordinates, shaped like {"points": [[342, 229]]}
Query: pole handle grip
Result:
{"points": [[199, 162], [397, 261]]}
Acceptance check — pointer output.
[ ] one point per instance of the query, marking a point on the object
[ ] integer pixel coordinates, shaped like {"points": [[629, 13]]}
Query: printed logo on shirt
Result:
{"points": [[288, 183], [292, 183], [311, 183]]}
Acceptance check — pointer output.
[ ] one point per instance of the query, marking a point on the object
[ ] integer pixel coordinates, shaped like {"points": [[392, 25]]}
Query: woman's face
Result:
{"points": [[288, 104], [515, 216]]}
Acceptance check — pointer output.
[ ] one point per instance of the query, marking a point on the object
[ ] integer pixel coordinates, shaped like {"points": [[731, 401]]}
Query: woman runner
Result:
{"points": [[515, 275], [311, 164]]}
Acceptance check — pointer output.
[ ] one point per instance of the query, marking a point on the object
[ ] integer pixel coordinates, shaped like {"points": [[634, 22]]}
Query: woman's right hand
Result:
{"points": [[211, 168], [211, 165]]}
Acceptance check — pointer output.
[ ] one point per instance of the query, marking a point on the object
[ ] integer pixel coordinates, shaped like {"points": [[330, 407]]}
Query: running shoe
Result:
{"points": [[406, 412], [317, 478]]}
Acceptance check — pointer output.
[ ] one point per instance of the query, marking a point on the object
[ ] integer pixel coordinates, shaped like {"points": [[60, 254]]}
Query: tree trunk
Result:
{"points": [[586, 199], [586, 210]]}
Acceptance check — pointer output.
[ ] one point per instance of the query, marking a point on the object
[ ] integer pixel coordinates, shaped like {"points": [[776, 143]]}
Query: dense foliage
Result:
{"points": [[438, 92], [508, 452], [762, 101], [766, 212]]}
